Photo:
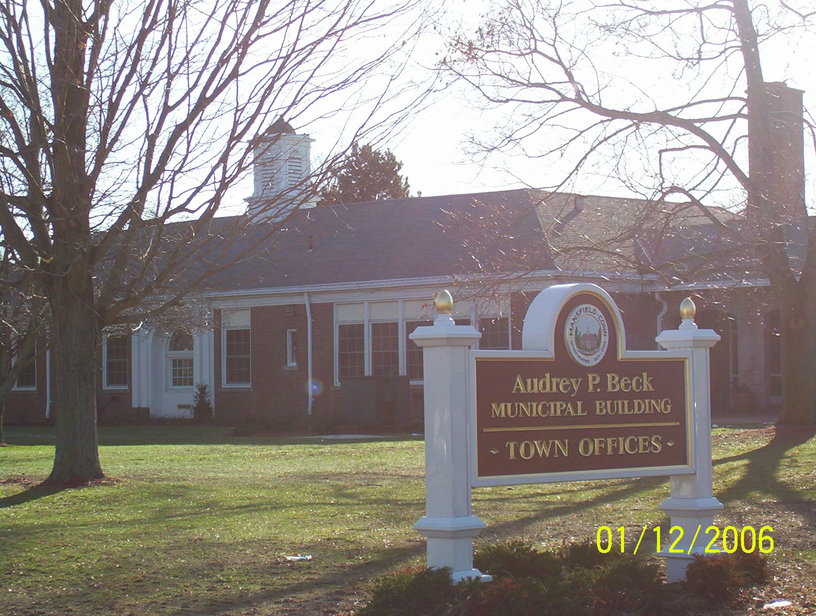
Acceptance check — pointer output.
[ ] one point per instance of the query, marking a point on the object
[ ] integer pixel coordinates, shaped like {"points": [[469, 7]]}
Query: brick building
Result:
{"points": [[316, 323]]}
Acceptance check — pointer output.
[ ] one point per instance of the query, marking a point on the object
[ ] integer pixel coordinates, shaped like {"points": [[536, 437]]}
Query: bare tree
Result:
{"points": [[668, 99], [117, 122]]}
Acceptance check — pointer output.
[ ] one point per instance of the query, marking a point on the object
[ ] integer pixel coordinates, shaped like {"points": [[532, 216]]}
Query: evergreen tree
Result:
{"points": [[365, 174]]}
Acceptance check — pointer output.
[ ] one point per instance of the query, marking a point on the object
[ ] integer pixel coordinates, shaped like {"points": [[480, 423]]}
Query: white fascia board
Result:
{"points": [[705, 285], [412, 288]]}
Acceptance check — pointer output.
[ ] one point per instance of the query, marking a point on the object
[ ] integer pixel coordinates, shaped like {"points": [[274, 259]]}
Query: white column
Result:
{"points": [[140, 368], [692, 504], [448, 524]]}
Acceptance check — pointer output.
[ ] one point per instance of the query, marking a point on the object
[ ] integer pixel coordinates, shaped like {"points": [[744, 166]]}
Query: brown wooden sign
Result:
{"points": [[585, 407]]}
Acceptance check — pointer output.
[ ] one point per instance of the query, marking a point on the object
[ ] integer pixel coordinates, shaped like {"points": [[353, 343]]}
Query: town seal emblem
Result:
{"points": [[586, 334]]}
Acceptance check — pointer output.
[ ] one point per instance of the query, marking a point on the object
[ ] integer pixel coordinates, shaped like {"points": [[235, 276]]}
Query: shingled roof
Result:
{"points": [[392, 239], [612, 234], [504, 232]]}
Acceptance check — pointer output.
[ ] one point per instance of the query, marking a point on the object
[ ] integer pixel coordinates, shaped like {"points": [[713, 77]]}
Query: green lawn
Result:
{"points": [[195, 521]]}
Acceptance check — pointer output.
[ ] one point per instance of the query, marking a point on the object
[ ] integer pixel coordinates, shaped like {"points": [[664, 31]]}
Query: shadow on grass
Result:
{"points": [[763, 465], [190, 434], [318, 587], [31, 494], [762, 471]]}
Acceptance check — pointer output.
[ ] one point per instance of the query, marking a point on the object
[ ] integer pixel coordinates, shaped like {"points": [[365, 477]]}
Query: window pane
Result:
{"points": [[181, 341], [351, 349], [291, 347], [238, 342], [384, 349], [238, 356], [494, 333], [413, 352], [238, 370], [28, 376], [773, 353], [182, 372], [116, 365]]}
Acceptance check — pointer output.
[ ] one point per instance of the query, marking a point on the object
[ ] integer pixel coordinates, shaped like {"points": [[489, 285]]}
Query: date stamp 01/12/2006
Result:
{"points": [[731, 539]]}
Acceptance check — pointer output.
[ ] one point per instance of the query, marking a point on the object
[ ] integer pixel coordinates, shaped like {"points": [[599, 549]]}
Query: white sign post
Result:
{"points": [[448, 524], [593, 382], [692, 504]]}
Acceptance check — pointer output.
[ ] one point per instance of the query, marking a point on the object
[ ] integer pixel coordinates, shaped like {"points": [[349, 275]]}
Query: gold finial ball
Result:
{"points": [[444, 302], [687, 309]]}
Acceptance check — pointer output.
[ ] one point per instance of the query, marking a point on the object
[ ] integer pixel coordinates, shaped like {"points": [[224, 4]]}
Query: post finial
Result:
{"points": [[444, 302], [687, 309]]}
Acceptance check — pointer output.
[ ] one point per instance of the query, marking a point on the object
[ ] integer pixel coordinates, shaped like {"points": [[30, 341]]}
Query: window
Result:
{"points": [[115, 351], [351, 349], [180, 359], [291, 348], [237, 359], [384, 349], [181, 372], [27, 378], [730, 326], [413, 353], [773, 356], [495, 334], [372, 338], [181, 341]]}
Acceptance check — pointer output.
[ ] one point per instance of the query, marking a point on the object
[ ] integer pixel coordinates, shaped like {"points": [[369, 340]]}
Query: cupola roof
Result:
{"points": [[280, 126]]}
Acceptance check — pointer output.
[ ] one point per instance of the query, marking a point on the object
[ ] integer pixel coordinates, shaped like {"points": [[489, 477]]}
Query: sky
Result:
{"points": [[433, 144], [433, 148]]}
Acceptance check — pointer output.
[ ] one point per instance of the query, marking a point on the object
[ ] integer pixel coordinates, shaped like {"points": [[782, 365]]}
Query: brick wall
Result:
{"points": [[278, 393], [112, 406], [519, 303], [29, 406], [639, 312], [116, 405], [327, 397]]}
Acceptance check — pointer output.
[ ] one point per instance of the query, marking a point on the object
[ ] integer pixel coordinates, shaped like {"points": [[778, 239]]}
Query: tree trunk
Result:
{"points": [[70, 287], [798, 331], [75, 338], [5, 384]]}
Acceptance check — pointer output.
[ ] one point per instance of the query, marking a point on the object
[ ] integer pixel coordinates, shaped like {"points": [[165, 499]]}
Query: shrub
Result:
{"points": [[585, 554], [516, 559], [412, 591], [202, 407], [753, 566], [503, 596], [629, 585], [571, 581], [719, 577]]}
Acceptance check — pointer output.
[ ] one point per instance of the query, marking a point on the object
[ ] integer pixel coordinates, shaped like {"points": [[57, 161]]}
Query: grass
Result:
{"points": [[195, 521]]}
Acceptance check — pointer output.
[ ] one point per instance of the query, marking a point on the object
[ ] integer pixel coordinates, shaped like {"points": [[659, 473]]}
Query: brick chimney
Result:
{"points": [[781, 170]]}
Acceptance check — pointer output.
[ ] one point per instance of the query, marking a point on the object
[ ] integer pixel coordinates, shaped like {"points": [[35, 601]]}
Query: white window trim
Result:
{"points": [[402, 321], [370, 348], [105, 385], [407, 321], [170, 356], [366, 343], [291, 359], [402, 354], [23, 388], [224, 383]]}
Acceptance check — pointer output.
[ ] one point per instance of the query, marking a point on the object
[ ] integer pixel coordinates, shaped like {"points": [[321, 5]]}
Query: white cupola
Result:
{"points": [[282, 167]]}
